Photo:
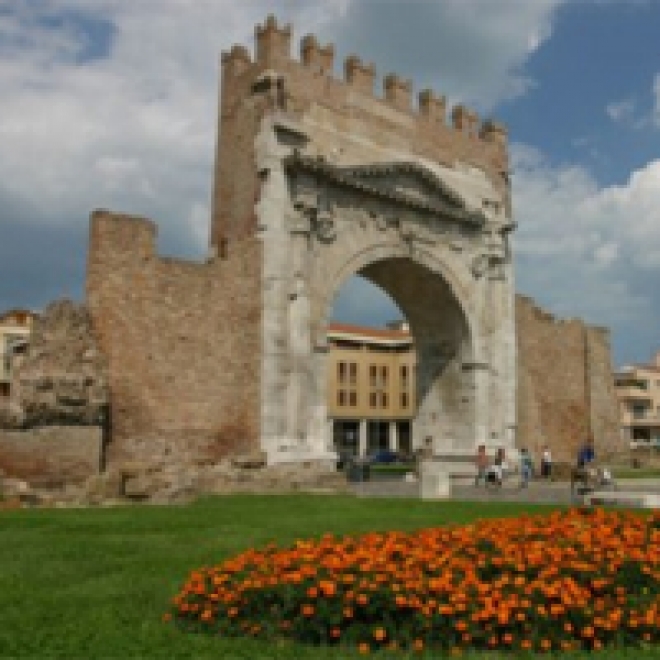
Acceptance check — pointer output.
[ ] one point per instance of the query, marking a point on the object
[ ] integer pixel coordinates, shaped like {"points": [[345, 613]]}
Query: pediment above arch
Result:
{"points": [[403, 184]]}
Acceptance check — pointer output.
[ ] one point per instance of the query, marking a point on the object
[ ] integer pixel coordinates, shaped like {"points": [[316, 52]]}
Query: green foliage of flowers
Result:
{"points": [[577, 579]]}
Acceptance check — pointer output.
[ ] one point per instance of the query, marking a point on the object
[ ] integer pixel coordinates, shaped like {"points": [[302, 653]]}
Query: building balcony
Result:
{"points": [[633, 393], [647, 421]]}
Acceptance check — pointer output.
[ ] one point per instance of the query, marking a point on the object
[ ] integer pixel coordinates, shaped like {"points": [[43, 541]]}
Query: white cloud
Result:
{"points": [[586, 250], [133, 128], [620, 110], [470, 50], [626, 111]]}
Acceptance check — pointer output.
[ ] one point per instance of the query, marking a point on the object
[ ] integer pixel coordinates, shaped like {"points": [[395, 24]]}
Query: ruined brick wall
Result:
{"points": [[61, 379], [565, 388], [182, 340], [51, 455], [53, 430]]}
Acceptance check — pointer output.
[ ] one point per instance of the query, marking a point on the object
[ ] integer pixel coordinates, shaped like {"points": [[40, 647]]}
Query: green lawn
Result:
{"points": [[93, 583], [636, 473]]}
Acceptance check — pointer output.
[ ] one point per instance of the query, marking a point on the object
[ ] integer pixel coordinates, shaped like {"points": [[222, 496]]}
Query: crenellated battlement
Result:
{"points": [[273, 51], [465, 120], [432, 108], [313, 55], [494, 131], [238, 59], [273, 44], [398, 91], [359, 75]]}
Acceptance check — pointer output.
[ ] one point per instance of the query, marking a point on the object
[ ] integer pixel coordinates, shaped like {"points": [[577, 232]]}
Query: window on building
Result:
{"points": [[383, 376], [383, 399], [342, 343], [341, 398], [638, 410], [341, 372], [404, 375], [373, 400], [352, 373], [352, 398], [373, 375], [404, 399]]}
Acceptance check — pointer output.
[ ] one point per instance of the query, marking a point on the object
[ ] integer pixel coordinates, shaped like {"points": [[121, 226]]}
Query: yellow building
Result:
{"points": [[371, 388], [638, 391], [15, 328]]}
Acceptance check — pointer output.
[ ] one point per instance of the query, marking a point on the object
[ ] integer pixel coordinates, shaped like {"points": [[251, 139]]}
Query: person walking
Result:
{"points": [[481, 464], [586, 455], [546, 462], [526, 467], [496, 472], [584, 475]]}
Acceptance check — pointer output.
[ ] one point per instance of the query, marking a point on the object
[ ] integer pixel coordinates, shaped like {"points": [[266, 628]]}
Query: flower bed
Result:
{"points": [[568, 580]]}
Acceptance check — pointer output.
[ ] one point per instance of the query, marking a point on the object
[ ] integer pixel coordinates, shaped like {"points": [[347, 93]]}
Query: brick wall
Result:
{"points": [[182, 339], [51, 455], [565, 387]]}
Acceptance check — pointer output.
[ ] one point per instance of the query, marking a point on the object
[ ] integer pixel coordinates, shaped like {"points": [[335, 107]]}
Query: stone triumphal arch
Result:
{"points": [[316, 179]]}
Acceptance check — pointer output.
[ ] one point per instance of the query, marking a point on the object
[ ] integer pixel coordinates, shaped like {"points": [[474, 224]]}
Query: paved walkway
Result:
{"points": [[537, 491]]}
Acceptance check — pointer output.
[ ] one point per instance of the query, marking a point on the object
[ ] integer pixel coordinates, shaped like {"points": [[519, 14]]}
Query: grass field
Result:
{"points": [[636, 473], [93, 583]]}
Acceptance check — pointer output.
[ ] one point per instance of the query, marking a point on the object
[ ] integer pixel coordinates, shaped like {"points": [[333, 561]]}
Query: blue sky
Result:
{"points": [[112, 104]]}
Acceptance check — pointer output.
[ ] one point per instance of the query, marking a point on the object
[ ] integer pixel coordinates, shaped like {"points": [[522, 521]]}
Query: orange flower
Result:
{"points": [[307, 610], [587, 632], [379, 634], [363, 648], [328, 588], [418, 645]]}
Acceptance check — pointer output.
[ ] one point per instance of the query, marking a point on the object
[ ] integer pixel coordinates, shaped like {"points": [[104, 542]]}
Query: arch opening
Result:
{"points": [[398, 341]]}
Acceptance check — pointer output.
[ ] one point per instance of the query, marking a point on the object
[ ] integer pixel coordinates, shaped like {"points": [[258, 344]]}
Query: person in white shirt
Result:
{"points": [[546, 463]]}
